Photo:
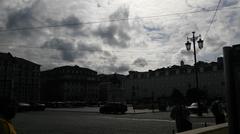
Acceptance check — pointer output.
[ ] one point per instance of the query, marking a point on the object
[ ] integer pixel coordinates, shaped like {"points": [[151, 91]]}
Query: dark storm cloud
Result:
{"points": [[140, 62], [106, 53], [87, 48], [70, 52], [118, 69], [120, 13], [72, 21], [73, 25], [20, 19], [33, 16], [67, 50], [224, 3], [195, 6], [116, 34], [20, 16], [227, 3]]}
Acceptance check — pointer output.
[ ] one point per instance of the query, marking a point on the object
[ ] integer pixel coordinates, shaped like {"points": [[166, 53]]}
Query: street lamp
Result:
{"points": [[188, 47]]}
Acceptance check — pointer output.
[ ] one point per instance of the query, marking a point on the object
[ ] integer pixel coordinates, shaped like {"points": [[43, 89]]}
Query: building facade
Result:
{"points": [[161, 82], [69, 83], [19, 78], [111, 88]]}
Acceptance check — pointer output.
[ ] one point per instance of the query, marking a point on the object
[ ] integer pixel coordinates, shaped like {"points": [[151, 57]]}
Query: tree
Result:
{"points": [[177, 97], [194, 95]]}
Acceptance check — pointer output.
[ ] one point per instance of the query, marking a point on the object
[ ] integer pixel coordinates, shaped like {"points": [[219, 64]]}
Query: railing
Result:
{"points": [[217, 129]]}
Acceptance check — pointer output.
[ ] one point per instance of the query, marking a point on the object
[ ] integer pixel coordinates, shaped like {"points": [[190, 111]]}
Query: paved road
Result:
{"points": [[68, 122]]}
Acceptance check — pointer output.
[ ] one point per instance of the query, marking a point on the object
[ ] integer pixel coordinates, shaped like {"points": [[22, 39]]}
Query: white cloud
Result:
{"points": [[113, 46]]}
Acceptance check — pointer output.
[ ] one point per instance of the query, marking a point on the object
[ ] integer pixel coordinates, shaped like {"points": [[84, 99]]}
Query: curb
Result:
{"points": [[82, 111], [196, 116]]}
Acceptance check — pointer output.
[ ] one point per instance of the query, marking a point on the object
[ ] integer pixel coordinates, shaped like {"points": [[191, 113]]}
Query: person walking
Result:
{"points": [[180, 113], [218, 111], [8, 109]]}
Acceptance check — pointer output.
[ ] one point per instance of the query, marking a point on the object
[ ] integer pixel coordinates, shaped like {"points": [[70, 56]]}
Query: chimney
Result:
{"points": [[182, 63]]}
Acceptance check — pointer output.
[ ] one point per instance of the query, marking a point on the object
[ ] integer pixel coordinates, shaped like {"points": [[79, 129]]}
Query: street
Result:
{"points": [[73, 122]]}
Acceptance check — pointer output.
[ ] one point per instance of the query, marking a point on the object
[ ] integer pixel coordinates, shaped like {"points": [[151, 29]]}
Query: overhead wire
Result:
{"points": [[212, 20], [112, 20], [123, 19], [128, 51]]}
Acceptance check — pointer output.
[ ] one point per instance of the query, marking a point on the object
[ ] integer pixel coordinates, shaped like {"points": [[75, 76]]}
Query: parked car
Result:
{"points": [[37, 106], [193, 108], [55, 104], [23, 107], [113, 108], [79, 104]]}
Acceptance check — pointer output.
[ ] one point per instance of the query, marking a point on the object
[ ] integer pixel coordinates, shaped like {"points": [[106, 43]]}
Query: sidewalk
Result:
{"points": [[204, 115], [130, 111], [96, 110]]}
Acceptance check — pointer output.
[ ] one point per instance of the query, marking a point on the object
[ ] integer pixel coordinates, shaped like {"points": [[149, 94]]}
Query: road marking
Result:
{"points": [[136, 119], [156, 120]]}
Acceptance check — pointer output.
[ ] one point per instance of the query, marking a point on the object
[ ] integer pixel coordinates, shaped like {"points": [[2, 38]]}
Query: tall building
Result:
{"points": [[19, 78], [69, 83], [161, 82]]}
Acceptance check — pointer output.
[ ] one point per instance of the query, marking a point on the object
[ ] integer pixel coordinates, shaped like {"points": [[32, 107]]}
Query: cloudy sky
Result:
{"points": [[116, 35]]}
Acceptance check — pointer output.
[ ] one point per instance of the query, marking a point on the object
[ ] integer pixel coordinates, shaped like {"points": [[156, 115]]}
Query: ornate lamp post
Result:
{"points": [[188, 47]]}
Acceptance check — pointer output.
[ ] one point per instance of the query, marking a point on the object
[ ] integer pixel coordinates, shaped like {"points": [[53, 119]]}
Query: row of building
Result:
{"points": [[161, 82], [23, 80], [19, 78]]}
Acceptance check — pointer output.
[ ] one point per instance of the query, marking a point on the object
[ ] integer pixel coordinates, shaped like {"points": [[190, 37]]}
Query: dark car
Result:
{"points": [[23, 107], [37, 106], [113, 108], [193, 108]]}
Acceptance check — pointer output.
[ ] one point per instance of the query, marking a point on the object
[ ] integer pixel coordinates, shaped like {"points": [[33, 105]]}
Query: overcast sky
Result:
{"points": [[116, 35]]}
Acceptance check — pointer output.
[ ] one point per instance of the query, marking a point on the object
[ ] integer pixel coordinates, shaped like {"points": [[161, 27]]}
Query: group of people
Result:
{"points": [[181, 115]]}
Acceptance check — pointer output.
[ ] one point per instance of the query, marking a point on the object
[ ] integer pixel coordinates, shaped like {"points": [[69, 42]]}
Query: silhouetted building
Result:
{"points": [[162, 81], [69, 83], [110, 88], [19, 78]]}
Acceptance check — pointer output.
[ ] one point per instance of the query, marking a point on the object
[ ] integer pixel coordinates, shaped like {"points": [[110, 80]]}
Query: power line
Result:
{"points": [[128, 51], [214, 15], [113, 20]]}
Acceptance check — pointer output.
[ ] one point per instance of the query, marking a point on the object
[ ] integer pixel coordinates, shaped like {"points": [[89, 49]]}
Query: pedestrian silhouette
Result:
{"points": [[218, 111], [7, 113], [180, 113]]}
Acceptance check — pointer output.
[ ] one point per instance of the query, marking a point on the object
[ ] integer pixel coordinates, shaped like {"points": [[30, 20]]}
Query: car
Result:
{"points": [[23, 107], [37, 106], [193, 108], [54, 104], [113, 108]]}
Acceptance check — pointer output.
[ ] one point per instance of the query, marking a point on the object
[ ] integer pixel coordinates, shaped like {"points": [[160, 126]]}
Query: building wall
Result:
{"points": [[161, 82], [6, 74], [69, 83], [19, 78], [111, 88]]}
